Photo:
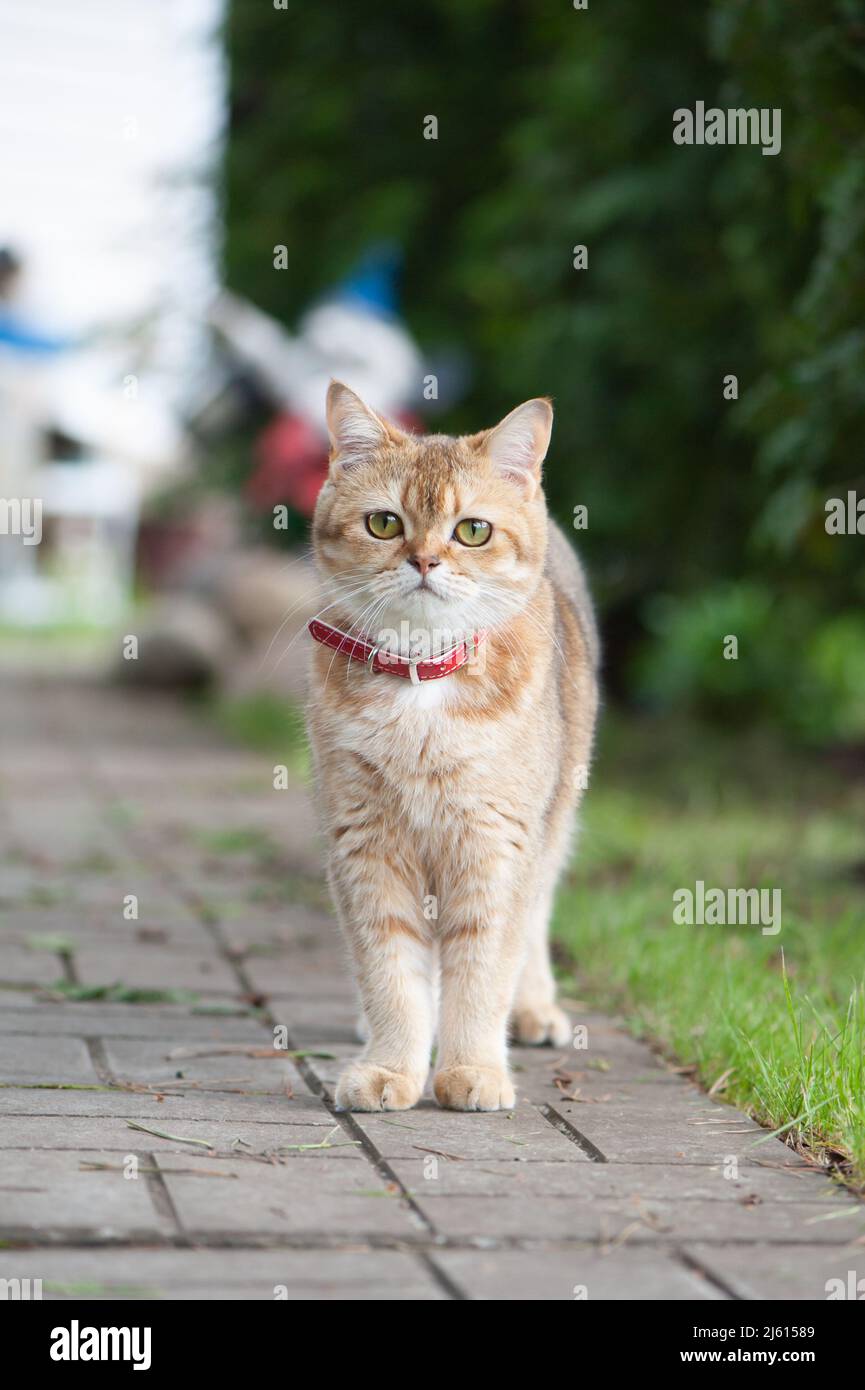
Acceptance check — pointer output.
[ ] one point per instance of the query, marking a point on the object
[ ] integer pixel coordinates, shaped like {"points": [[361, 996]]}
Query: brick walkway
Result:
{"points": [[627, 1192]]}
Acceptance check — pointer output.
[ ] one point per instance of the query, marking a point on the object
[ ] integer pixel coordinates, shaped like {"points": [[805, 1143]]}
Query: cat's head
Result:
{"points": [[447, 535]]}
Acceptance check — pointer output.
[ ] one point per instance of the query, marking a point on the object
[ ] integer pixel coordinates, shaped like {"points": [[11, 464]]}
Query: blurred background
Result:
{"points": [[207, 209]]}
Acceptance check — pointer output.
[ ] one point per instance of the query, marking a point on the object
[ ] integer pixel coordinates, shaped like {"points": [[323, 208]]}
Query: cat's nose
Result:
{"points": [[424, 563]]}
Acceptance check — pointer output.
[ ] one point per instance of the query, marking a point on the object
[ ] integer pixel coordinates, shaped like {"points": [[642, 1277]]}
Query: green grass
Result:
{"points": [[119, 993], [668, 806], [269, 724], [241, 839]]}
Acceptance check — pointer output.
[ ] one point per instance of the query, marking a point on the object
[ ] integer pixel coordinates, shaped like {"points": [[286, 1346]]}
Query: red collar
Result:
{"points": [[358, 649]]}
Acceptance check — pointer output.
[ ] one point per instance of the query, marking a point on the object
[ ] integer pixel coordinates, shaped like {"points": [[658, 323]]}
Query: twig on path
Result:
{"points": [[50, 1086], [441, 1153], [179, 1085], [174, 1138], [721, 1081], [272, 1155]]}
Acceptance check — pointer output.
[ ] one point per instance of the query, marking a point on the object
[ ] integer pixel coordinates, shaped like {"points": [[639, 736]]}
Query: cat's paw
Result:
{"points": [[474, 1088], [536, 1024], [365, 1086]]}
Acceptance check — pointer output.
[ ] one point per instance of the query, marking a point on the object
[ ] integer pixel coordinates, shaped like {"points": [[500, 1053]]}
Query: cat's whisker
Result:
{"points": [[324, 585], [515, 605], [341, 598], [371, 607]]}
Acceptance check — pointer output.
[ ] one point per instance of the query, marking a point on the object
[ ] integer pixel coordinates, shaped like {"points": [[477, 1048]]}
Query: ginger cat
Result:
{"points": [[448, 773]]}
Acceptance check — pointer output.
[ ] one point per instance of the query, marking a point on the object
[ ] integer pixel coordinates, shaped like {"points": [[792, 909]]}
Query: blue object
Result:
{"points": [[15, 333], [373, 282]]}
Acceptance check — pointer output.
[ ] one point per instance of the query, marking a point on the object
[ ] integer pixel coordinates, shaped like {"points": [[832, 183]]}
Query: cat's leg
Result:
{"points": [[393, 960], [480, 951], [536, 1017]]}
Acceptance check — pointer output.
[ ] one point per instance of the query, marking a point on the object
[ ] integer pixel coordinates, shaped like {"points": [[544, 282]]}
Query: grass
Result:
{"points": [[269, 724], [119, 993], [783, 1015]]}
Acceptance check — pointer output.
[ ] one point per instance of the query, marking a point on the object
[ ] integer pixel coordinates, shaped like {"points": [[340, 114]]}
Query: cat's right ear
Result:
{"points": [[355, 430], [518, 444]]}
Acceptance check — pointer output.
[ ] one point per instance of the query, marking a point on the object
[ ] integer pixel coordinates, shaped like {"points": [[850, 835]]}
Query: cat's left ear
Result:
{"points": [[518, 445]]}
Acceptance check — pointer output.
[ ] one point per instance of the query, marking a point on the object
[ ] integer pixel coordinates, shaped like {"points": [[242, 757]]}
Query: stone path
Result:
{"points": [[640, 1188]]}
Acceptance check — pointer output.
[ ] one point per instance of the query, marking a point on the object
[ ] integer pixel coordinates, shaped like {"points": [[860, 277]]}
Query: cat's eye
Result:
{"points": [[473, 532], [384, 525]]}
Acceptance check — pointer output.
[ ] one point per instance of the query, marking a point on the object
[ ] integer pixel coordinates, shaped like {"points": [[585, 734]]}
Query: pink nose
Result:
{"points": [[424, 563]]}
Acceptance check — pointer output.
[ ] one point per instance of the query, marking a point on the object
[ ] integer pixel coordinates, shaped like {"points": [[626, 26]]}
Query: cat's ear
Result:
{"points": [[355, 430], [518, 445]]}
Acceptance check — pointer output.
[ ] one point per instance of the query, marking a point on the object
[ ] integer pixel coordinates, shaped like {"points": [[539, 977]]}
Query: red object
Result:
{"points": [[292, 459], [292, 465], [357, 649]]}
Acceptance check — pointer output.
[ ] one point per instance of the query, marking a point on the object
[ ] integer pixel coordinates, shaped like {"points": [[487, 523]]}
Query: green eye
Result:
{"points": [[473, 532], [383, 525]]}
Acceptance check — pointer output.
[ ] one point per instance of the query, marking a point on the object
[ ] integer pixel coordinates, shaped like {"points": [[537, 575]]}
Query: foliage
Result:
{"points": [[818, 694], [555, 129]]}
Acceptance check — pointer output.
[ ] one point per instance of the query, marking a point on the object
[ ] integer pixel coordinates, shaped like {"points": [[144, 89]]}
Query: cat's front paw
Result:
{"points": [[365, 1086], [536, 1024], [474, 1088]]}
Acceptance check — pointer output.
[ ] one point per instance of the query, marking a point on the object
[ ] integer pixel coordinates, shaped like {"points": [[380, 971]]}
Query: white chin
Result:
{"points": [[442, 619]]}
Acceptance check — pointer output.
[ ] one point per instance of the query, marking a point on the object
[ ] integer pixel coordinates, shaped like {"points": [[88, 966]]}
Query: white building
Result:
{"points": [[111, 120]]}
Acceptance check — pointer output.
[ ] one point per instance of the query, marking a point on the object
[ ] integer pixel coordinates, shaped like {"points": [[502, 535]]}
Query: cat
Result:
{"points": [[449, 756]]}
